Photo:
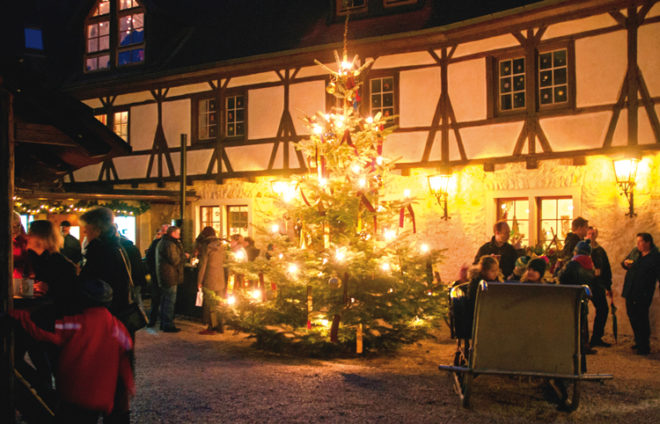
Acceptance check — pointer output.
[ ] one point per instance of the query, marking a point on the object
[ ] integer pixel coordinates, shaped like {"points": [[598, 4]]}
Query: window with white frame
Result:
{"points": [[120, 124], [381, 96], [515, 211], [554, 218], [237, 220], [235, 115], [225, 219]]}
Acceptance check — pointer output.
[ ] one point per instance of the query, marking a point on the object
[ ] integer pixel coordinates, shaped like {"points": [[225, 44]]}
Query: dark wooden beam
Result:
{"points": [[27, 132]]}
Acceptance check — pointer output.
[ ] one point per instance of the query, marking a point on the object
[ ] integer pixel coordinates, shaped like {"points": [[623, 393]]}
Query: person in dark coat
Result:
{"points": [[642, 267], [136, 267], [210, 277], [150, 256], [71, 248], [601, 286], [579, 271], [169, 268], [579, 228], [505, 253], [535, 271]]}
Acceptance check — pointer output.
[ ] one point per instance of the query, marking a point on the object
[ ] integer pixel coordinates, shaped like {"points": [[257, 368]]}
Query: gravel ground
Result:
{"points": [[189, 378]]}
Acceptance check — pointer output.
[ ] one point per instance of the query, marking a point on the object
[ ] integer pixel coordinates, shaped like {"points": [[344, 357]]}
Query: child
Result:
{"points": [[535, 271], [94, 356]]}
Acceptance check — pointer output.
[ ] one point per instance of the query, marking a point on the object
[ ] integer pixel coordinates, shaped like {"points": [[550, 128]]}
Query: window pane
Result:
{"points": [[505, 85], [560, 76], [519, 66], [92, 45], [104, 28], [560, 94], [505, 67], [505, 102], [545, 60], [104, 43], [519, 100], [553, 80], [375, 86], [545, 79], [548, 209], [237, 220], [559, 58], [91, 64], [103, 8], [104, 61], [93, 30]]}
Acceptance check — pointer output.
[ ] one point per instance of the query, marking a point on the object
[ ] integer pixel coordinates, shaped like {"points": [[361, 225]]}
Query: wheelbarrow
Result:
{"points": [[519, 329]]}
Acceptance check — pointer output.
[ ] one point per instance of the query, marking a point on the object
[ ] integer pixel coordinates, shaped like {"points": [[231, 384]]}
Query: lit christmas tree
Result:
{"points": [[344, 269]]}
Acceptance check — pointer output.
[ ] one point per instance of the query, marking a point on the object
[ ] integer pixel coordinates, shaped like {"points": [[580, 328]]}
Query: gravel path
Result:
{"points": [[188, 378]]}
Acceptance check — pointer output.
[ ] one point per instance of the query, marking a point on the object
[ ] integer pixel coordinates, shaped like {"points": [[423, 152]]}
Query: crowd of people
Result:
{"points": [[581, 261], [89, 288]]}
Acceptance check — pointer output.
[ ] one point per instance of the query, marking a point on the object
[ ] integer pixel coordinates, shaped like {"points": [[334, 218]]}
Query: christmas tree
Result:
{"points": [[344, 269]]}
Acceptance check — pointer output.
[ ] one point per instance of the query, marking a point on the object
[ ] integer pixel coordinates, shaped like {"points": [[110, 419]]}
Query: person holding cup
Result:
{"points": [[642, 267]]}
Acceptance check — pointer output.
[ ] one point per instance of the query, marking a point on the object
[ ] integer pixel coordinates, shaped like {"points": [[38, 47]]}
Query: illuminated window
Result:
{"points": [[33, 39], [211, 216], [381, 91], [102, 118], [515, 211], [553, 77], [554, 217], [120, 124], [207, 119], [351, 6], [237, 220], [511, 78], [114, 35], [235, 116], [126, 226]]}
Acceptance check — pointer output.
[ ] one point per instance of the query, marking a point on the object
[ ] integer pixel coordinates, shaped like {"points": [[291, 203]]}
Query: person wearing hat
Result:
{"points": [[519, 268], [71, 248], [94, 360], [600, 288], [535, 271]]}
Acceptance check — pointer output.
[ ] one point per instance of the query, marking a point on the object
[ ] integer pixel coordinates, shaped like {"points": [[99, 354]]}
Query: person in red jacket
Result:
{"points": [[94, 357]]}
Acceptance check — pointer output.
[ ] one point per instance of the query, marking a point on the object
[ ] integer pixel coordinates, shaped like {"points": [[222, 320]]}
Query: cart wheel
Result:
{"points": [[568, 394], [460, 360]]}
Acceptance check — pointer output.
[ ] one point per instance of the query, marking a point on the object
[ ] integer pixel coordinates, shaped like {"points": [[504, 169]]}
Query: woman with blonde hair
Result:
{"points": [[51, 267]]}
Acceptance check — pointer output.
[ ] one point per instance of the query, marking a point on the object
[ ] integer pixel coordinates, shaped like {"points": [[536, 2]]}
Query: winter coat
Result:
{"points": [[602, 262], [580, 270], [104, 261], [169, 262], [93, 358], [150, 257], [135, 262], [211, 273], [508, 255], [72, 249], [639, 284], [60, 274], [571, 241]]}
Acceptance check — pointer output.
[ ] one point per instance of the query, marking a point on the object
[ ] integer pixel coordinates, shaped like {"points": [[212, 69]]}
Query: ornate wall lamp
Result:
{"points": [[625, 171], [439, 186]]}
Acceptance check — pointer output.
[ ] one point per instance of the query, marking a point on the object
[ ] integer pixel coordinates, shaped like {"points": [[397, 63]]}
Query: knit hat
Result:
{"points": [[522, 262], [96, 293], [583, 247], [538, 265]]}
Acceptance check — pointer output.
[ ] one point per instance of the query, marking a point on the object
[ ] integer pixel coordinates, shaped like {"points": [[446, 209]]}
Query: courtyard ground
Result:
{"points": [[190, 378]]}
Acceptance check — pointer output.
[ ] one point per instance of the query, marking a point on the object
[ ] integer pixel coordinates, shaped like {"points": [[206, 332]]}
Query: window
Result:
{"points": [[207, 126], [553, 77], [211, 216], [114, 35], [351, 6], [102, 118], [555, 215], [511, 84], [235, 116], [120, 124], [515, 211], [33, 39], [237, 220], [381, 96], [126, 226]]}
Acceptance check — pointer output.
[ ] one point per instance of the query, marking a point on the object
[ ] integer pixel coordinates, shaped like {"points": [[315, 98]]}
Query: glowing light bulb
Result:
{"points": [[424, 248], [275, 228], [385, 266], [256, 294], [391, 290], [355, 168], [390, 235], [406, 193], [362, 182], [370, 120], [339, 124], [231, 300], [346, 65], [340, 256], [323, 182], [280, 256], [324, 322], [292, 269], [240, 255], [317, 129], [379, 160]]}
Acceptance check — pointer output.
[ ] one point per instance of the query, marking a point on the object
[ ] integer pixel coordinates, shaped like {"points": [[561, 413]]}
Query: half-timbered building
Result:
{"points": [[526, 107]]}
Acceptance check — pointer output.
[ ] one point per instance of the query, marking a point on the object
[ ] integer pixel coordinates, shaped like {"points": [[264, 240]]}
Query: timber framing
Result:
{"points": [[527, 24]]}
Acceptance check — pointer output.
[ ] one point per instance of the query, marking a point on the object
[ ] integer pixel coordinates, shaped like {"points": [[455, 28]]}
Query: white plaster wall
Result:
{"points": [[655, 11], [88, 173], [314, 70], [585, 131], [579, 25], [491, 140], [143, 126], [478, 46], [600, 67], [189, 89], [131, 166], [249, 158], [305, 99], [93, 103], [253, 79], [140, 96], [468, 89], [436, 149], [648, 56], [419, 91], [403, 59], [265, 106], [406, 147], [176, 121], [645, 132], [198, 161]]}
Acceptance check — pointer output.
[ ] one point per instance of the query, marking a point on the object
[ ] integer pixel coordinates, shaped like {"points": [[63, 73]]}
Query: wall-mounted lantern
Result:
{"points": [[439, 187], [625, 171]]}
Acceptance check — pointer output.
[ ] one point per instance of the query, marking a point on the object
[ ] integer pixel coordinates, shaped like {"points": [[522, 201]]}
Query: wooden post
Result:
{"points": [[186, 230], [7, 414]]}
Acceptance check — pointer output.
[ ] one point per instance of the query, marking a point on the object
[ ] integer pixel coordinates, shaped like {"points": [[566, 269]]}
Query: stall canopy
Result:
{"points": [[54, 133]]}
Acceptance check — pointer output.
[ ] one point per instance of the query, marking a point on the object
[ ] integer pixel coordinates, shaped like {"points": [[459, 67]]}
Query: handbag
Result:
{"points": [[133, 316]]}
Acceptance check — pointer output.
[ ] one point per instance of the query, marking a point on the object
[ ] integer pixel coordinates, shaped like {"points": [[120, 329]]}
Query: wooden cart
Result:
{"points": [[520, 330]]}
